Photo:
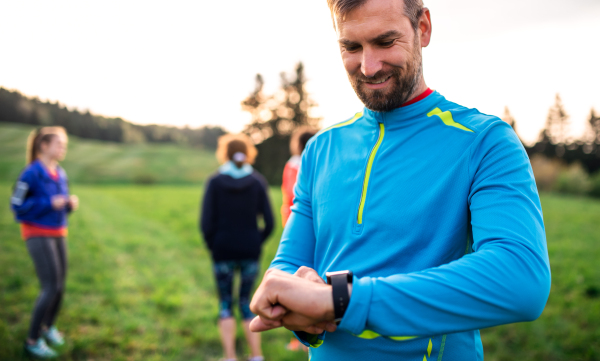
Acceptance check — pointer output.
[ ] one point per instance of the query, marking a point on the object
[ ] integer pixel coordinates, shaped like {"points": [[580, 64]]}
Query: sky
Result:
{"points": [[191, 63]]}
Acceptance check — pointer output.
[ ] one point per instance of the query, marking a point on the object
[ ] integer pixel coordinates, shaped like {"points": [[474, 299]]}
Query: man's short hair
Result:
{"points": [[413, 9]]}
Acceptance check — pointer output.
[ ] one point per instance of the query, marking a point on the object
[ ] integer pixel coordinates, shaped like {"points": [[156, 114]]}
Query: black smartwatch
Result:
{"points": [[339, 286]]}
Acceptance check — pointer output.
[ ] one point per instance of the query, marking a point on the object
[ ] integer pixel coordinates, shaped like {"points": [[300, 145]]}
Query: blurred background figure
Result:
{"points": [[234, 199], [41, 203], [297, 144]]}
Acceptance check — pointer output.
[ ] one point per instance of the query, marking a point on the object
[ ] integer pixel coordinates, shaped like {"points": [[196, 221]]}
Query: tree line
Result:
{"points": [[17, 108], [556, 142], [276, 116]]}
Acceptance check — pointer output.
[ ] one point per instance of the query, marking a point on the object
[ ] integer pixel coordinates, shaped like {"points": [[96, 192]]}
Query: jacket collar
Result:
{"points": [[405, 114], [43, 171]]}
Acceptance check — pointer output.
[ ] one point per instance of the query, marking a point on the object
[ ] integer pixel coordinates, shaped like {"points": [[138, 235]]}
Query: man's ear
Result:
{"points": [[425, 27]]}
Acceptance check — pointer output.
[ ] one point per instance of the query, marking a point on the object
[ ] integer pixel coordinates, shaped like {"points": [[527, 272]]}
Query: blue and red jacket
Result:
{"points": [[35, 207]]}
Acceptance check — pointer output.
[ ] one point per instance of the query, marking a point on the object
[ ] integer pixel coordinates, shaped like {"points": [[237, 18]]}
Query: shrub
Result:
{"points": [[595, 185], [573, 180], [546, 171], [144, 178]]}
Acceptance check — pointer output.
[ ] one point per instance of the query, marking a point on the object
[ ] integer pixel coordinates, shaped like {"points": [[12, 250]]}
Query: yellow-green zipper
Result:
{"points": [[363, 197]]}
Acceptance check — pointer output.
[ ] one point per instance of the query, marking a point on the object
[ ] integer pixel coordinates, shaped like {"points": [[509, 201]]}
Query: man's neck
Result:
{"points": [[418, 91]]}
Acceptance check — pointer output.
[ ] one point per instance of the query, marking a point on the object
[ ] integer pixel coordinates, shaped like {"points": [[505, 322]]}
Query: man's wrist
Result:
{"points": [[340, 292], [326, 293], [328, 302]]}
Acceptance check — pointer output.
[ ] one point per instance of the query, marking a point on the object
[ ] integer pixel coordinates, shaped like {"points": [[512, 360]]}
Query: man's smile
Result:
{"points": [[378, 84]]}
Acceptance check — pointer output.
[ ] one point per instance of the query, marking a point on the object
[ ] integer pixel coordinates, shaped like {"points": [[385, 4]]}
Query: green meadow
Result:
{"points": [[96, 162], [140, 284]]}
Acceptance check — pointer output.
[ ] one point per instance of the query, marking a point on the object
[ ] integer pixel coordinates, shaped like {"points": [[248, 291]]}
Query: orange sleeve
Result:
{"points": [[290, 172]]}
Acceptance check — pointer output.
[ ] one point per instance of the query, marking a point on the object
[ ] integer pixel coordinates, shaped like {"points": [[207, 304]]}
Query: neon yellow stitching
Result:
{"points": [[363, 197], [369, 335], [446, 117], [429, 347], [343, 124], [442, 348]]}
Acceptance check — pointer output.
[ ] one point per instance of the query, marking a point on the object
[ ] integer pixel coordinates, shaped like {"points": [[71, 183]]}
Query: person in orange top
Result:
{"points": [[290, 172], [41, 203], [299, 139]]}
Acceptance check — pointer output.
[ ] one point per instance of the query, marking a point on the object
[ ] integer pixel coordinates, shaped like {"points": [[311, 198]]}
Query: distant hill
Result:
{"points": [[17, 108], [92, 161]]}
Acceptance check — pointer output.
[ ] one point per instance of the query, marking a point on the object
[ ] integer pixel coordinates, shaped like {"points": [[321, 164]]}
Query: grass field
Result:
{"points": [[98, 162], [140, 285]]}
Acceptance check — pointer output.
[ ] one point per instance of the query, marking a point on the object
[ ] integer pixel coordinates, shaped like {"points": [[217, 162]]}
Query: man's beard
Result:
{"points": [[403, 83]]}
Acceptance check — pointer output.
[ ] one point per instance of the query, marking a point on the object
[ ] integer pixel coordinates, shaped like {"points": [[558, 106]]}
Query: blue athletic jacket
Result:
{"points": [[34, 206], [434, 208]]}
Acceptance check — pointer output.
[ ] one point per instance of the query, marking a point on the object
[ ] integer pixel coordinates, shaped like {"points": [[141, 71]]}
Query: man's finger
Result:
{"points": [[259, 325], [273, 313], [297, 322], [309, 329], [327, 326], [309, 274]]}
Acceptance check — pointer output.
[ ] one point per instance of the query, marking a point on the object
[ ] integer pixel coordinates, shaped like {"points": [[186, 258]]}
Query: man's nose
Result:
{"points": [[370, 63]]}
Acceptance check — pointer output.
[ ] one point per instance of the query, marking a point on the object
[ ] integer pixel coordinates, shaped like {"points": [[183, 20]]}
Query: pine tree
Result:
{"points": [[557, 125], [594, 128], [507, 117], [280, 113]]}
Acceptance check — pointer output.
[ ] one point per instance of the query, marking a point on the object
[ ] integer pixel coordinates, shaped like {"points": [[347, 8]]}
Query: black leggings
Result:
{"points": [[49, 256]]}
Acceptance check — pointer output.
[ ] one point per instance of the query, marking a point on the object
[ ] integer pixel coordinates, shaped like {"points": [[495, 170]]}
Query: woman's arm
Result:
{"points": [[31, 202], [208, 214]]}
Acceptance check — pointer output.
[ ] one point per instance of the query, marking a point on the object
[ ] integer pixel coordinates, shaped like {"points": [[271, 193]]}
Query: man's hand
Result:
{"points": [[300, 302]]}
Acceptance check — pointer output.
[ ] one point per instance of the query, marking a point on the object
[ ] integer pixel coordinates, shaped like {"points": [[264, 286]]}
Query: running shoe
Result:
{"points": [[40, 349], [54, 337]]}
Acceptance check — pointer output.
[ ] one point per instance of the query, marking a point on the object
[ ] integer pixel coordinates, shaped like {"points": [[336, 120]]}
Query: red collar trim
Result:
{"points": [[423, 95], [52, 173]]}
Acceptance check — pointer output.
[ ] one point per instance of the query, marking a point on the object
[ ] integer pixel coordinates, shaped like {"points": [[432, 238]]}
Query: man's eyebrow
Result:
{"points": [[346, 42], [386, 35], [378, 38]]}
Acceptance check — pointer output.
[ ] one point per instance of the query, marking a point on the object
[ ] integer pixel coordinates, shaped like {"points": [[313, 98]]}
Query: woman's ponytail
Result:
{"points": [[32, 143]]}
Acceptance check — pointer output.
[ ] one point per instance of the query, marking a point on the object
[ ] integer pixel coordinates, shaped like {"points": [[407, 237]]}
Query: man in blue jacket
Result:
{"points": [[424, 213]]}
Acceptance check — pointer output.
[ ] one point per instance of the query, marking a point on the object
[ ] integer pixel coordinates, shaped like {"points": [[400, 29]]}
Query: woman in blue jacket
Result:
{"points": [[234, 197], [41, 202]]}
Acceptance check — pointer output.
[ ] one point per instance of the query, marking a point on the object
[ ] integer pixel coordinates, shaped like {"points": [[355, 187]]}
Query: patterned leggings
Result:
{"points": [[224, 272]]}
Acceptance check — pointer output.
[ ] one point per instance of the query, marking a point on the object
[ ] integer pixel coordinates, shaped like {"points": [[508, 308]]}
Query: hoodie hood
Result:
{"points": [[235, 178], [233, 171]]}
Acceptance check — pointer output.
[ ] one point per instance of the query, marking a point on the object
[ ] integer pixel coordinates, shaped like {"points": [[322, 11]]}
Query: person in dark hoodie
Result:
{"points": [[235, 196]]}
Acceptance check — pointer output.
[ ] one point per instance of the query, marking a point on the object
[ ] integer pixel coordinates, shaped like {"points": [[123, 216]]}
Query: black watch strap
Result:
{"points": [[339, 287]]}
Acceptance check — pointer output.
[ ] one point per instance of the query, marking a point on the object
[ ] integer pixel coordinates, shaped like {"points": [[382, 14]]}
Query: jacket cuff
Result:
{"points": [[355, 318], [309, 339]]}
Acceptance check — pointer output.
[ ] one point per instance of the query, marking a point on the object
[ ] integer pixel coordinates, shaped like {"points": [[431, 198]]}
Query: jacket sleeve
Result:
{"points": [[290, 173], [297, 246], [267, 212], [68, 207], [36, 203], [506, 277], [208, 214]]}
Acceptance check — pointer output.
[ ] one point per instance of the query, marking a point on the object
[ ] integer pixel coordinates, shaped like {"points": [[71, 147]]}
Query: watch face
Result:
{"points": [[348, 274]]}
